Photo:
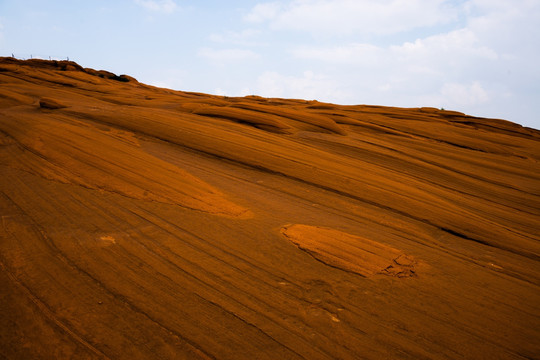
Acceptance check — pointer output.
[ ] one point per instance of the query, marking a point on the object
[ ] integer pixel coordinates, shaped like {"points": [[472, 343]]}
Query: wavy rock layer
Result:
{"points": [[146, 223], [350, 253]]}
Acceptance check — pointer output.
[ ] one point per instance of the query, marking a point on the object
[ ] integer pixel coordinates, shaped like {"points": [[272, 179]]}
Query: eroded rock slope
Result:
{"points": [[146, 223]]}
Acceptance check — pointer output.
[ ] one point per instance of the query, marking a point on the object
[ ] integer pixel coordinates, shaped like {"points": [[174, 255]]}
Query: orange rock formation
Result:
{"points": [[146, 223]]}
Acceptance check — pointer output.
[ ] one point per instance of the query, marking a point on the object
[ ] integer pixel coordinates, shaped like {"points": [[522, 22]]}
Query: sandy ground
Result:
{"points": [[146, 223]]}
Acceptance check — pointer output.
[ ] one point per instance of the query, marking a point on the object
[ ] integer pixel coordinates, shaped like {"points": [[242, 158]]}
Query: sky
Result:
{"points": [[480, 57]]}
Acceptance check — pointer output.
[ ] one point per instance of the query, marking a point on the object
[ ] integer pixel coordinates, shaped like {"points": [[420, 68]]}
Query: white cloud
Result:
{"points": [[262, 12], [460, 95], [307, 86], [438, 55], [354, 53], [503, 6], [450, 70], [226, 55], [456, 48], [245, 37], [347, 16], [475, 56], [510, 27], [167, 6], [466, 97]]}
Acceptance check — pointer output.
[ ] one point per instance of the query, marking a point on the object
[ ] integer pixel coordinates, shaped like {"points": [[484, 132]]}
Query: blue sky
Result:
{"points": [[480, 57]]}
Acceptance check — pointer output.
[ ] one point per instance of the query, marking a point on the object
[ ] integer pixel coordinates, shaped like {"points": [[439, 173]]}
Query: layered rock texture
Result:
{"points": [[145, 223]]}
